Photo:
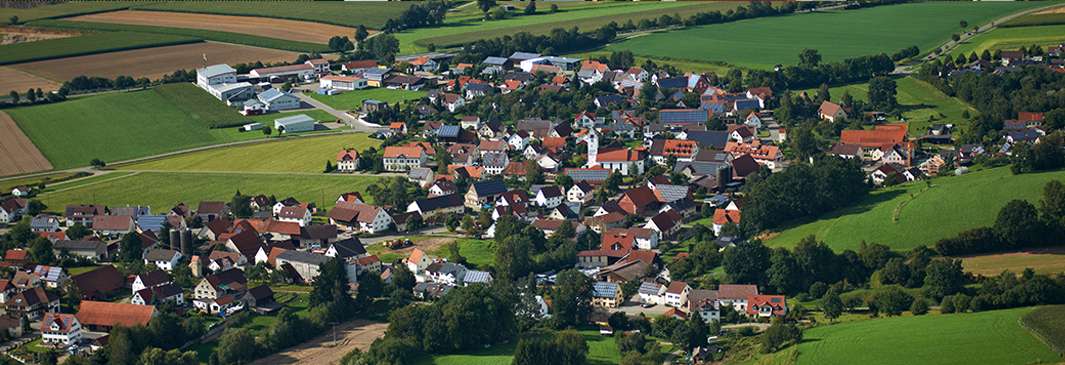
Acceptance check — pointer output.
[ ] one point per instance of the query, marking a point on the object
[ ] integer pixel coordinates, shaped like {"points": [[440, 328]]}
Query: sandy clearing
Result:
{"points": [[274, 28], [349, 335], [15, 34], [153, 62], [11, 79], [424, 244], [18, 155]]}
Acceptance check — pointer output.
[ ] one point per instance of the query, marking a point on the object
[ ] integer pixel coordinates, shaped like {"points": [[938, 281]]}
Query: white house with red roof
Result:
{"points": [[296, 214], [404, 158], [347, 160], [736, 295], [766, 306], [831, 112], [60, 328], [677, 294], [723, 217]]}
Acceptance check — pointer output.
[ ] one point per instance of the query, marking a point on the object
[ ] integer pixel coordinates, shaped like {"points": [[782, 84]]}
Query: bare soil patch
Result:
{"points": [[1052, 11], [18, 155], [424, 244], [1042, 260], [11, 79], [294, 30], [349, 335], [154, 62], [17, 34]]}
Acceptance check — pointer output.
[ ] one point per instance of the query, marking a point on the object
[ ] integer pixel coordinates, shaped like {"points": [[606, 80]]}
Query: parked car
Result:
{"points": [[647, 305]]}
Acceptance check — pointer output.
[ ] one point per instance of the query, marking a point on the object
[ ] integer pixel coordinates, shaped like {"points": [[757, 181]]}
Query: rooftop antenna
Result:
{"points": [[204, 60]]}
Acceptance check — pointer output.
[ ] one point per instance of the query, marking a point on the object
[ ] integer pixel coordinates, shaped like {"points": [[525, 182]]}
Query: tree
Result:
{"points": [[361, 34], [13, 20], [809, 58], [947, 305], [554, 8], [565, 181], [14, 96], [240, 206], [779, 334], [746, 263], [831, 304], [882, 93], [35, 207], [451, 222], [78, 231], [130, 249], [455, 255], [31, 96], [954, 37], [97, 163], [943, 278], [414, 223], [485, 5], [961, 302], [1018, 224], [612, 183], [403, 278], [236, 346], [531, 9], [572, 298], [963, 24], [892, 302], [919, 306], [41, 249], [267, 130], [512, 257]]}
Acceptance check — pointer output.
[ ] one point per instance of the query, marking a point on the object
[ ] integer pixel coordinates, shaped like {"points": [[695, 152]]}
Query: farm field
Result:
{"points": [[292, 155], [955, 204], [18, 155], [601, 350], [1047, 260], [353, 99], [12, 79], [293, 30], [201, 34], [1012, 39], [994, 337], [839, 34], [370, 14], [1047, 324], [111, 127], [85, 45], [66, 9], [166, 189], [152, 63]]}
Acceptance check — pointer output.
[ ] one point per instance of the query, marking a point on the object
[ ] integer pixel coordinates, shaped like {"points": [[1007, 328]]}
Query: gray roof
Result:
{"points": [[524, 55], [77, 245], [304, 257], [494, 159], [215, 70], [419, 173], [709, 138], [490, 187], [151, 222], [649, 288], [474, 276], [44, 222], [446, 268], [272, 94], [160, 255], [672, 193], [295, 119], [495, 61], [587, 175], [349, 247], [699, 168], [448, 131], [437, 202], [479, 87]]}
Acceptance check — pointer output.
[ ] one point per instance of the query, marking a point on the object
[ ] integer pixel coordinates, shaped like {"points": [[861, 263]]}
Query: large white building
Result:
{"points": [[221, 81], [60, 328], [279, 100], [295, 123], [404, 158], [342, 82]]}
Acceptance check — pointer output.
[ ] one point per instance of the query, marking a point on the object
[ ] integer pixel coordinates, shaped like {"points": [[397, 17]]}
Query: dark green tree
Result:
{"points": [[130, 249], [747, 262], [572, 298], [882, 93], [831, 304], [240, 206]]}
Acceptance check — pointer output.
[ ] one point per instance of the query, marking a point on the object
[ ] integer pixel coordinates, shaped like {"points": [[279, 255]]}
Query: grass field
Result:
{"points": [[66, 9], [1012, 39], [994, 337], [1043, 260], [370, 14], [164, 190], [110, 127], [836, 34], [293, 30], [601, 351], [1041, 18], [87, 180], [293, 155], [201, 105], [85, 45], [353, 99], [1048, 325], [955, 204], [478, 253], [217, 36]]}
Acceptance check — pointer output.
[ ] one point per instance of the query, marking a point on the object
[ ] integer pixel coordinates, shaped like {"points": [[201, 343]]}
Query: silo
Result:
{"points": [[724, 176], [175, 240], [186, 242]]}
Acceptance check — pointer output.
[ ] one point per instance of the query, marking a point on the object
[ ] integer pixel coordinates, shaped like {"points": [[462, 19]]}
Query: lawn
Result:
{"points": [[478, 253], [1012, 39], [111, 127], [83, 181], [370, 14], [86, 45], [201, 105], [766, 42], [289, 155], [352, 100], [164, 190], [1048, 324], [955, 204], [198, 34], [993, 337]]}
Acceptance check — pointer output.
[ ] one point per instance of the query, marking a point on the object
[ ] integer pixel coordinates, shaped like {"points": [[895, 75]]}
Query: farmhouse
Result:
{"points": [[33, 303], [358, 66], [294, 124], [359, 217], [831, 112], [276, 100], [347, 160], [12, 210], [103, 316]]}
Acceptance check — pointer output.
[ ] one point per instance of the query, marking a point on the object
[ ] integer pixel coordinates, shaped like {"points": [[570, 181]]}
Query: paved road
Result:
{"points": [[669, 359]]}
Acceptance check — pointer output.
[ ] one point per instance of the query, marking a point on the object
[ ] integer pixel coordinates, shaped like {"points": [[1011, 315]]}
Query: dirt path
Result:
{"points": [[349, 335], [424, 244], [18, 155]]}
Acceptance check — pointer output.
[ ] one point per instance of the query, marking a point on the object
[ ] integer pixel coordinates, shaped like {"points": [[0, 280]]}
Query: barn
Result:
{"points": [[295, 124], [275, 99]]}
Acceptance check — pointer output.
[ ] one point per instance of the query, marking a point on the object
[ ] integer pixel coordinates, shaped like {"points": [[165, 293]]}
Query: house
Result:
{"points": [[766, 306], [277, 100], [932, 165], [33, 303], [885, 134], [831, 112], [370, 105], [17, 257], [438, 205], [163, 259], [436, 290], [418, 261], [481, 193], [452, 101], [685, 151], [744, 134], [347, 160], [882, 173], [665, 223], [113, 225], [605, 222], [149, 279], [84, 214], [359, 217], [99, 282], [358, 66], [445, 273], [208, 210], [519, 140], [494, 162], [103, 316], [305, 264], [404, 158], [25, 280], [229, 282], [549, 196], [847, 150], [550, 225], [247, 244], [652, 292], [7, 289], [566, 211], [50, 276], [619, 159], [639, 201], [294, 124], [581, 192], [599, 258], [767, 155], [60, 328], [705, 304], [12, 210], [95, 250], [299, 215], [677, 294], [606, 295], [630, 238], [736, 295], [723, 217]]}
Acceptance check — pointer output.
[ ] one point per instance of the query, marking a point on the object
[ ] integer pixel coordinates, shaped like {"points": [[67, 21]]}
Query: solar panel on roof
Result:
{"points": [[448, 131], [774, 300]]}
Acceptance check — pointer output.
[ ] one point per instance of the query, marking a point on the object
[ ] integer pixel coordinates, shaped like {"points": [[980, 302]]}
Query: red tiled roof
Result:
{"points": [[618, 154], [879, 136], [110, 314], [722, 216], [408, 152], [676, 287], [733, 292], [347, 155]]}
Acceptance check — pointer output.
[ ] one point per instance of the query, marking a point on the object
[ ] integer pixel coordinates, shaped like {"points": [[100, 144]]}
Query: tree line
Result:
{"points": [[1019, 225]]}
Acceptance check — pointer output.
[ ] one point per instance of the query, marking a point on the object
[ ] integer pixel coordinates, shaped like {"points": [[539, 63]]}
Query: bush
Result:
{"points": [[919, 306], [947, 305]]}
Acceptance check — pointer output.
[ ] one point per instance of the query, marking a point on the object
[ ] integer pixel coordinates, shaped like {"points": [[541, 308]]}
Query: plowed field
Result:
{"points": [[274, 28], [20, 81], [17, 154]]}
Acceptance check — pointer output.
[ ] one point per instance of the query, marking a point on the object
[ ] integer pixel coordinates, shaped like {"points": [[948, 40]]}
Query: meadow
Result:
{"points": [[1042, 18], [1012, 39], [1042, 260], [601, 351], [369, 14], [352, 100], [765, 42], [203, 34], [993, 337], [166, 189], [86, 45], [290, 155], [1048, 324], [111, 127], [954, 204], [201, 105], [293, 30]]}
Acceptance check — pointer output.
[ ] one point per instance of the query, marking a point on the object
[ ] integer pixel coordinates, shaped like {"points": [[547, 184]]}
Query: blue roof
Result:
{"points": [[448, 131], [151, 222], [673, 83], [683, 116], [649, 288], [693, 80], [747, 104], [1024, 135], [709, 138], [490, 187], [604, 290]]}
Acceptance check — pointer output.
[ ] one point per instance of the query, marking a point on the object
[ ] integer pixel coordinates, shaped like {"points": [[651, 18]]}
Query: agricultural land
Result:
{"points": [[12, 79], [1047, 324], [371, 15], [201, 34], [18, 155], [1047, 260], [994, 337], [1012, 38], [85, 45], [353, 99], [293, 30]]}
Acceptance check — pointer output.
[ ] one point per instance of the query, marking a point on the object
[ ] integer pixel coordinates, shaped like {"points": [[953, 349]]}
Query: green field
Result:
{"points": [[370, 14], [1034, 20], [85, 45], [203, 34], [478, 253], [87, 180], [68, 9], [1012, 39], [1048, 324], [601, 351], [353, 99], [201, 105], [955, 204], [292, 155], [164, 190], [994, 337], [111, 127], [764, 42]]}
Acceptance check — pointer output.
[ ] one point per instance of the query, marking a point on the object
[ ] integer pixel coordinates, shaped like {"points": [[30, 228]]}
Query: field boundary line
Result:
{"points": [[90, 184], [898, 210]]}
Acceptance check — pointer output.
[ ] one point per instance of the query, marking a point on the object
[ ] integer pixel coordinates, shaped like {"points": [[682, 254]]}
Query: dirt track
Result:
{"points": [[274, 28], [153, 62], [11, 79], [17, 154], [1052, 11], [355, 334]]}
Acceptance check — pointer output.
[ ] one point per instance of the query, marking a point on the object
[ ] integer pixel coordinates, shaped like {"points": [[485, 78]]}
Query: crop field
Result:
{"points": [[601, 350], [292, 155], [1047, 17], [1047, 260], [203, 34], [458, 31], [953, 205], [1013, 38], [353, 99], [66, 9], [85, 45], [12, 79], [1047, 324], [152, 63], [164, 190], [370, 14], [293, 30], [111, 127], [18, 155], [994, 337], [837, 34], [201, 105]]}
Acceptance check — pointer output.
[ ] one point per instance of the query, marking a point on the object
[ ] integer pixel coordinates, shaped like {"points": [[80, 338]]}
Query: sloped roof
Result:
{"points": [[153, 278], [604, 290], [490, 187], [112, 314], [112, 223], [99, 281], [723, 216], [640, 196], [676, 287], [736, 292], [350, 247]]}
